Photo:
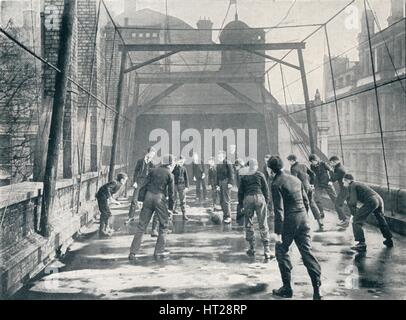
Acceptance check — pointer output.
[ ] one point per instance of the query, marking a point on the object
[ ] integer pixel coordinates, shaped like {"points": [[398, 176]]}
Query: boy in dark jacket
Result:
{"points": [[224, 184], [199, 176], [212, 180], [291, 225], [338, 176], [103, 196], [141, 171], [323, 184], [181, 185], [307, 176], [158, 200], [268, 176], [253, 196], [371, 203], [238, 166]]}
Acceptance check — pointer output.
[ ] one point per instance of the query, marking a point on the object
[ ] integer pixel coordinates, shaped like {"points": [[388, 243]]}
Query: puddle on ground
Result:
{"points": [[141, 289], [244, 289]]}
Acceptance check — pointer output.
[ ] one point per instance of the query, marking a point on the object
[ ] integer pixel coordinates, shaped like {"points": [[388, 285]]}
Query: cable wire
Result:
{"points": [[333, 81], [377, 98]]}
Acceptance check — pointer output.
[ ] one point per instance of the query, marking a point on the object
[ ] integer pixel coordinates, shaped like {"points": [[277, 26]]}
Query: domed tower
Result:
{"points": [[238, 32]]}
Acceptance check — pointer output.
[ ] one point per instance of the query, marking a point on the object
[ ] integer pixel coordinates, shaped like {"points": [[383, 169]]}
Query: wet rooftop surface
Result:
{"points": [[208, 261]]}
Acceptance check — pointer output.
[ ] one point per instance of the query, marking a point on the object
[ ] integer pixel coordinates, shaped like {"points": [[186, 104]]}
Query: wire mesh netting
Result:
{"points": [[27, 85], [353, 115]]}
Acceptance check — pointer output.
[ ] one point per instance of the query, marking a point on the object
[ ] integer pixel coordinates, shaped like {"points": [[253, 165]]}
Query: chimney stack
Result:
{"points": [[28, 17], [205, 30], [371, 22], [397, 11]]}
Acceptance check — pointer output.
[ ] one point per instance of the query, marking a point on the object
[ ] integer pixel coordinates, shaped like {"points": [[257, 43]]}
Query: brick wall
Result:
{"points": [[18, 104], [19, 221], [87, 65]]}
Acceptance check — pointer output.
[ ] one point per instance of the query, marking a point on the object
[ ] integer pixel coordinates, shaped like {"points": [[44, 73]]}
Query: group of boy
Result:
{"points": [[290, 195], [320, 177]]}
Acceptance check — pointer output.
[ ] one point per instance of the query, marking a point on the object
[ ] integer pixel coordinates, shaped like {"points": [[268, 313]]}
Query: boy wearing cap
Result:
{"points": [[181, 185], [323, 183], [338, 176], [142, 168], [212, 178], [268, 176], [238, 166], [371, 203], [307, 176], [291, 224], [199, 176], [103, 196], [224, 183]]}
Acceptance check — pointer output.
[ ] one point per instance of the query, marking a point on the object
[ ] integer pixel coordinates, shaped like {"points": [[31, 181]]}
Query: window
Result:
{"points": [[141, 35], [368, 63], [389, 112], [333, 121], [400, 114], [348, 80], [379, 59], [364, 112], [402, 52], [401, 169], [347, 117], [133, 35], [5, 146], [147, 35], [347, 158], [363, 166]]}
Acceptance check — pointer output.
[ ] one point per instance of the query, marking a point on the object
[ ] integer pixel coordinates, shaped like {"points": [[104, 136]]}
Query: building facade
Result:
{"points": [[357, 108]]}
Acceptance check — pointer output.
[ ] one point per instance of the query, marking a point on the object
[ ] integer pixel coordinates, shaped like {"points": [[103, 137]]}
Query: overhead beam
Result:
{"points": [[197, 77], [242, 97], [277, 107], [273, 59], [312, 138], [213, 46], [143, 64], [144, 108], [119, 98]]}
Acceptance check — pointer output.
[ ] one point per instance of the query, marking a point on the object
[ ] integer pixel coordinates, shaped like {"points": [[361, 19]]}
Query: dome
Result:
{"points": [[238, 32], [148, 17]]}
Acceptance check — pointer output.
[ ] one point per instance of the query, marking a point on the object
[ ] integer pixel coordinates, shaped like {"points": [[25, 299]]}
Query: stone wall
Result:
{"points": [[395, 208], [23, 252]]}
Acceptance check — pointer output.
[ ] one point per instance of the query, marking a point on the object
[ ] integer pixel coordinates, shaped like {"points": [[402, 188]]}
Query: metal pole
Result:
{"points": [[92, 67], [378, 109], [267, 123], [335, 93], [131, 140], [58, 109], [307, 101], [120, 88]]}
